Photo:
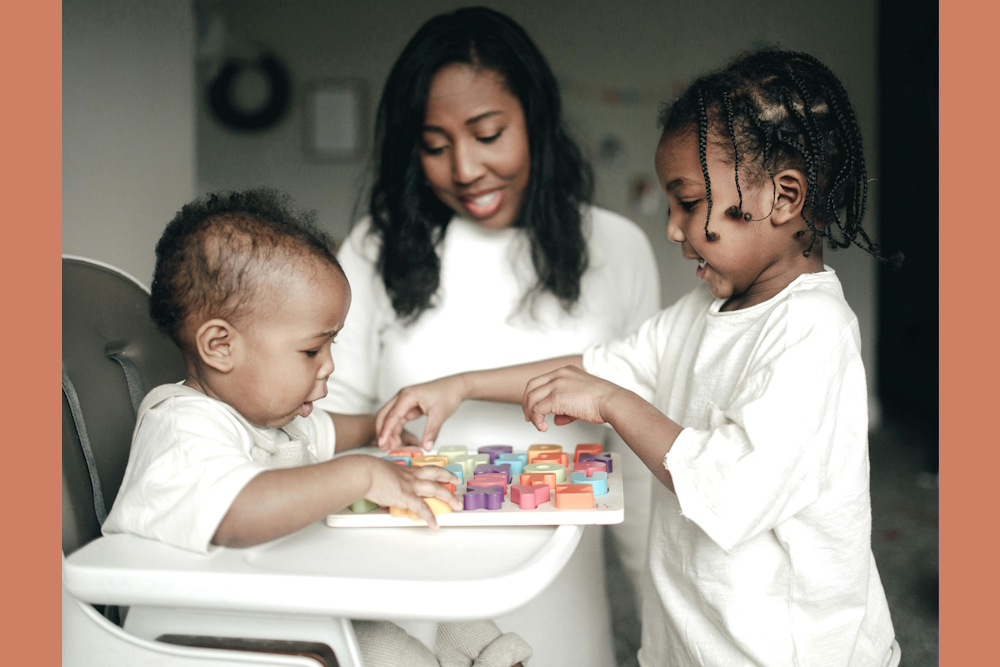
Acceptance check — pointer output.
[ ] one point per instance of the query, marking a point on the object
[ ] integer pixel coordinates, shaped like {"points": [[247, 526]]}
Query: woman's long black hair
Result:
{"points": [[405, 213]]}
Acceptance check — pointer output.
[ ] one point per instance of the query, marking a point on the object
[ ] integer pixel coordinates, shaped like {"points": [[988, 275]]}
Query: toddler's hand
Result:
{"points": [[437, 399], [569, 393], [394, 485]]}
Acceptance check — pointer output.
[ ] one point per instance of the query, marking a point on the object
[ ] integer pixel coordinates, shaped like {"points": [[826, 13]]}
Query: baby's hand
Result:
{"points": [[570, 394], [437, 399], [394, 485]]}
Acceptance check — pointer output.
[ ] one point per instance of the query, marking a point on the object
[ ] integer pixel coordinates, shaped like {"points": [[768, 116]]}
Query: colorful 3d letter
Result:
{"points": [[589, 448], [493, 451], [556, 469], [598, 480], [574, 496], [486, 497], [535, 450], [529, 497], [451, 451]]}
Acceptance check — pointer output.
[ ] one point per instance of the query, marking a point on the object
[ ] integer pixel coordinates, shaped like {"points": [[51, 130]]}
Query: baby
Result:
{"points": [[235, 455]]}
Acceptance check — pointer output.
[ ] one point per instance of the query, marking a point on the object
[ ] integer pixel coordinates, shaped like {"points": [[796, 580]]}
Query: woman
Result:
{"points": [[482, 250]]}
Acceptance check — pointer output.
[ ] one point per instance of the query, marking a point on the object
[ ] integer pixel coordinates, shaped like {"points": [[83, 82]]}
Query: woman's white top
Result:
{"points": [[763, 556], [479, 320]]}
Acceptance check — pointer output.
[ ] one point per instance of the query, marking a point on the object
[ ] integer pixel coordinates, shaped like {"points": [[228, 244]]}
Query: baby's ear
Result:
{"points": [[214, 342], [790, 188]]}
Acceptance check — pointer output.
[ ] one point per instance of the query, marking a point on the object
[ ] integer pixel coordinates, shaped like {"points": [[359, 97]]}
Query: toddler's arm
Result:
{"points": [[359, 430], [279, 502], [438, 399], [552, 386], [571, 393]]}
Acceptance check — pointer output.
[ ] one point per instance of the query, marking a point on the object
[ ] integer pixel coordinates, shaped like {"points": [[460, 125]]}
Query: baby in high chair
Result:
{"points": [[235, 455]]}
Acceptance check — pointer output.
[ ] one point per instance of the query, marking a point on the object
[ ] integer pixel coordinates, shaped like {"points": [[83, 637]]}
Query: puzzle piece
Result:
{"points": [[556, 469], [408, 452], [516, 462], [457, 471], [493, 451], [499, 469], [529, 497], [362, 505], [598, 480], [431, 460], [589, 467], [437, 507], [604, 458], [534, 478], [535, 450], [470, 461], [488, 479], [588, 448], [574, 496], [484, 497], [452, 452], [562, 458]]}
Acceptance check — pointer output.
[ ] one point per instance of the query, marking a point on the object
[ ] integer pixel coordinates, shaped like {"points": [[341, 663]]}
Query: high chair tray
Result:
{"points": [[608, 509]]}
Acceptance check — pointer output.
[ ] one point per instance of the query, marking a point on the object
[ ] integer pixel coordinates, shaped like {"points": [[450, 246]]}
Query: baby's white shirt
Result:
{"points": [[190, 458]]}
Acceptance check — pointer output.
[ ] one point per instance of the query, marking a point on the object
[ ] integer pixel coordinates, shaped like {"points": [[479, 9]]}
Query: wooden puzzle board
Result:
{"points": [[608, 509]]}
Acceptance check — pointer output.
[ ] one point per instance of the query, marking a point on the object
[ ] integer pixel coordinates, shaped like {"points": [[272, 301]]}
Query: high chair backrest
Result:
{"points": [[112, 354]]}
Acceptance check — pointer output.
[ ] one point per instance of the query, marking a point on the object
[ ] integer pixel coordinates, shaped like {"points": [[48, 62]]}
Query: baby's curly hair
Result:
{"points": [[213, 254]]}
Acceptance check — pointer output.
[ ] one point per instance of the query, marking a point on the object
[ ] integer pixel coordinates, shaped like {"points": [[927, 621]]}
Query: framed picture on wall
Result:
{"points": [[336, 117]]}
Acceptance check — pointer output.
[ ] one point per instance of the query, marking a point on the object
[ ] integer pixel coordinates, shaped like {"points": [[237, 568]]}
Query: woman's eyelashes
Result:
{"points": [[438, 150], [490, 139], [432, 150]]}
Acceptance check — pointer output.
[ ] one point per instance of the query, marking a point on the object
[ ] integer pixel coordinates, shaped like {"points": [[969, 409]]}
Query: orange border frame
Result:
{"points": [[31, 53], [970, 363]]}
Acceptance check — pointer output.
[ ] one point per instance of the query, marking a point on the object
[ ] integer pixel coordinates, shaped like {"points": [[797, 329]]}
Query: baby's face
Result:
{"points": [[284, 361]]}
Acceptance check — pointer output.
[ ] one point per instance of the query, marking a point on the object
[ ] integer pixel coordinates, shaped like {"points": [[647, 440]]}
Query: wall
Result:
{"points": [[128, 126], [647, 48]]}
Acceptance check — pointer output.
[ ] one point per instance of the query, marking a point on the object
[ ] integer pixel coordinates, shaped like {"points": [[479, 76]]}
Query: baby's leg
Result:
{"points": [[478, 644], [385, 644], [463, 644]]}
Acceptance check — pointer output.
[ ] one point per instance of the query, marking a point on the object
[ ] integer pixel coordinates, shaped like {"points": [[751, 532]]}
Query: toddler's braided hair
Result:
{"points": [[775, 110]]}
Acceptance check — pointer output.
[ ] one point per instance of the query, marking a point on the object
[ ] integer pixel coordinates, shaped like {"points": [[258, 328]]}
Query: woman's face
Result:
{"points": [[474, 145]]}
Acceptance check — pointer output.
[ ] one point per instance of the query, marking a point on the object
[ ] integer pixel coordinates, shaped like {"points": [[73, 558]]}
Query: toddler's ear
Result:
{"points": [[214, 342], [790, 187]]}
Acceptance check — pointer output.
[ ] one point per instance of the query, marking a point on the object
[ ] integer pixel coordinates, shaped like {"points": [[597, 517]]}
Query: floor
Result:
{"points": [[904, 541]]}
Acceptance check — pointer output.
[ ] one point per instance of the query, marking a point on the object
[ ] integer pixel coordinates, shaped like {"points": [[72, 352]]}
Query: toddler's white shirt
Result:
{"points": [[189, 460], [763, 556]]}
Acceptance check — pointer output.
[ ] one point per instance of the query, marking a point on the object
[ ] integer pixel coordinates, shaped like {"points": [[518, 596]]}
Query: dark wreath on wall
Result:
{"points": [[266, 115]]}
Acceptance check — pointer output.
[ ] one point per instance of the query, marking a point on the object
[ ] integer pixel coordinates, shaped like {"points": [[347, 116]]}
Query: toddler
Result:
{"points": [[746, 398], [235, 455]]}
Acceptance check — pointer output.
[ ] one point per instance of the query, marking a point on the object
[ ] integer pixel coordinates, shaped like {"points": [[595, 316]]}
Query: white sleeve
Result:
{"points": [[357, 352], [186, 467], [762, 459]]}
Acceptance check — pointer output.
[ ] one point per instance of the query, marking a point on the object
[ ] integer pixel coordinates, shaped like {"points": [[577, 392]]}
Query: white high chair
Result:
{"points": [[111, 352], [294, 595]]}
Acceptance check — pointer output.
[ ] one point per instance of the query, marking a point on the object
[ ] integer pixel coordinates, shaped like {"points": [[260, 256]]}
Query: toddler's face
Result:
{"points": [[740, 260], [284, 361]]}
